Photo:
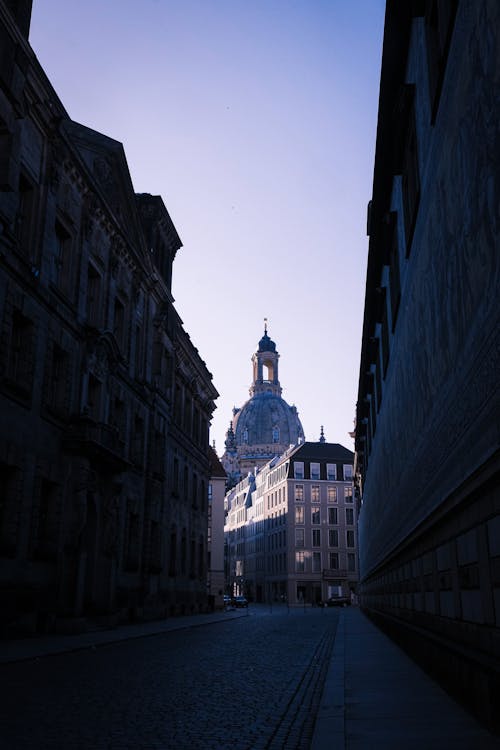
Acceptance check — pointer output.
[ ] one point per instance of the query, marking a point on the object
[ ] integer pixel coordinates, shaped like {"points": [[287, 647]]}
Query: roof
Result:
{"points": [[322, 452]]}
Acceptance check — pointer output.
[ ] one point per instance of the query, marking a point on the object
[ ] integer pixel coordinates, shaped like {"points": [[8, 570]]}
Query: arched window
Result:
{"points": [[245, 435], [276, 434]]}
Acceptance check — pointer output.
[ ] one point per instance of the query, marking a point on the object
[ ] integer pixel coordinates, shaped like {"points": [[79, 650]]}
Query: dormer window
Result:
{"points": [[245, 435], [276, 434]]}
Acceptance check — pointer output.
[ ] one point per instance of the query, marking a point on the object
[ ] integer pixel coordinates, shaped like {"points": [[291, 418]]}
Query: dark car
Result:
{"points": [[239, 601], [338, 601], [227, 601]]}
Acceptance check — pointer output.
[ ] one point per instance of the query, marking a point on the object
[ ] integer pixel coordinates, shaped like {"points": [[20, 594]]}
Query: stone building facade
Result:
{"points": [[105, 401], [428, 411], [265, 426], [291, 528]]}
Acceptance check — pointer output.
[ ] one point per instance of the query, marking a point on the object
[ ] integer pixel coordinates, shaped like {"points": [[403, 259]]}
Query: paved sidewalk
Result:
{"points": [[376, 698], [40, 646]]}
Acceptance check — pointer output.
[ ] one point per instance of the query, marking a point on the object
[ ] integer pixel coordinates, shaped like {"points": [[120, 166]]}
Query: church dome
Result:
{"points": [[266, 344], [267, 419]]}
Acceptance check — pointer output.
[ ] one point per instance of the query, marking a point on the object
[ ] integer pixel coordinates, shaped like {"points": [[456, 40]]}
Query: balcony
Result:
{"points": [[329, 573], [96, 440]]}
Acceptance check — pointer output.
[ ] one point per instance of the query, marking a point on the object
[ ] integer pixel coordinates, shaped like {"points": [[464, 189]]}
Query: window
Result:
{"points": [[172, 556], [351, 562], [93, 297], [348, 494], [349, 516], [138, 352], [333, 560], [315, 515], [245, 435], [298, 468], [331, 472], [300, 562], [316, 538], [331, 494], [299, 514], [315, 493], [350, 538], [57, 391], [347, 472], [137, 441], [61, 258], [119, 322], [276, 434], [316, 562], [20, 366], [299, 538], [25, 216], [333, 538], [299, 493], [314, 471], [333, 516]]}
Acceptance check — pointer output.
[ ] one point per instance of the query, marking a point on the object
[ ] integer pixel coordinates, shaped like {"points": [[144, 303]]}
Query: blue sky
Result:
{"points": [[255, 120]]}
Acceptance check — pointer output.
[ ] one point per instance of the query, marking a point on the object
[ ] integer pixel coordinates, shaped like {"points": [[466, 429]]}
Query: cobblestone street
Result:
{"points": [[250, 683]]}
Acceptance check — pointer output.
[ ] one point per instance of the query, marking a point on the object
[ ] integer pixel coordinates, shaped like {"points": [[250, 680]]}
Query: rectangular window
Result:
{"points": [[331, 472], [316, 538], [350, 538], [316, 562], [299, 493], [299, 538], [61, 258], [25, 223], [348, 494], [299, 514], [298, 469], [333, 559], [351, 562], [20, 365], [331, 494], [300, 563], [57, 393], [314, 468], [349, 516], [315, 515], [315, 493], [93, 297], [119, 322], [347, 472], [333, 538], [333, 516]]}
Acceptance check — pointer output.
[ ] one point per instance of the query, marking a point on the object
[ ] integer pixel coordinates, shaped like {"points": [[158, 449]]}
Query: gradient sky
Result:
{"points": [[255, 120]]}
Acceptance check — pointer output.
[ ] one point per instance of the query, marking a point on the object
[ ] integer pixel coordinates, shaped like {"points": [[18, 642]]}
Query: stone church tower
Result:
{"points": [[265, 426]]}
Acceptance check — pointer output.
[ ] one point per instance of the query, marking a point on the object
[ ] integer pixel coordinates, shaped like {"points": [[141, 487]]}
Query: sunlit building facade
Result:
{"points": [[291, 528]]}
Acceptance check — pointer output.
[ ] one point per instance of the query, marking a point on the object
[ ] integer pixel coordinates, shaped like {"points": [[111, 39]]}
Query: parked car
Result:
{"points": [[338, 601], [240, 601], [227, 601]]}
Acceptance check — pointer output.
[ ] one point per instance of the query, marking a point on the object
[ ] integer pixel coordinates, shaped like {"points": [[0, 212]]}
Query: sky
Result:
{"points": [[255, 120]]}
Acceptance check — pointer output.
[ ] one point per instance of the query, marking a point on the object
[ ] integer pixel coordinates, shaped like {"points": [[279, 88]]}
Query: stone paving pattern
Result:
{"points": [[248, 684]]}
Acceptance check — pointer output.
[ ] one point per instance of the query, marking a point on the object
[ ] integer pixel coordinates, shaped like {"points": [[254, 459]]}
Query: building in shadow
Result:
{"points": [[105, 402], [427, 428]]}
